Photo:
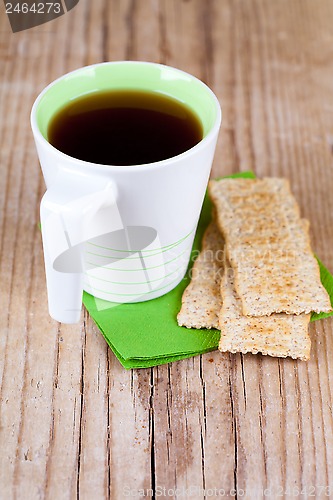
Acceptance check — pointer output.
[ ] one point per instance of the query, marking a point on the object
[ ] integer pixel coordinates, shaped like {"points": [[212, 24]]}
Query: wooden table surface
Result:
{"points": [[73, 422]]}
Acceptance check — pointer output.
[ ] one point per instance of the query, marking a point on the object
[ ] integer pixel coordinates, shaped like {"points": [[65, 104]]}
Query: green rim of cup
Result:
{"points": [[127, 75]]}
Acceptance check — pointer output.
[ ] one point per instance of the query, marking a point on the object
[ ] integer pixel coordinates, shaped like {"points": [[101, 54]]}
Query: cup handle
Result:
{"points": [[74, 209]]}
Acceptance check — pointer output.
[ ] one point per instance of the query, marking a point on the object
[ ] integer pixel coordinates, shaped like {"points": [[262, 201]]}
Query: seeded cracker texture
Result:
{"points": [[268, 246], [278, 335], [201, 301]]}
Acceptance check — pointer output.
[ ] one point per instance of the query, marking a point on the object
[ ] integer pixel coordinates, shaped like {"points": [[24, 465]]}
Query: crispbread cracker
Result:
{"points": [[278, 335], [268, 247], [201, 301]]}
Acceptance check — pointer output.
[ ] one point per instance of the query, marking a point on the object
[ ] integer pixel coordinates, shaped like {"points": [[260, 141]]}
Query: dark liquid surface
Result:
{"points": [[124, 128]]}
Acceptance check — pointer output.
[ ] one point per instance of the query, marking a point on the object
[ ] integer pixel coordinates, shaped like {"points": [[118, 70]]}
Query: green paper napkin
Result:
{"points": [[147, 334]]}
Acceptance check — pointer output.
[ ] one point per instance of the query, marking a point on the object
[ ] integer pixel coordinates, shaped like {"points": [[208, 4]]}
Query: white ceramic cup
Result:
{"points": [[121, 233]]}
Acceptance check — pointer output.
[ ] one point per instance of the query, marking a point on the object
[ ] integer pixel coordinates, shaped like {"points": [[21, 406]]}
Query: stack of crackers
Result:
{"points": [[256, 278]]}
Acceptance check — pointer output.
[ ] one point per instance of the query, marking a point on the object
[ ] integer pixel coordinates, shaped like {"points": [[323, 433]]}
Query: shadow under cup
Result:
{"points": [[137, 262]]}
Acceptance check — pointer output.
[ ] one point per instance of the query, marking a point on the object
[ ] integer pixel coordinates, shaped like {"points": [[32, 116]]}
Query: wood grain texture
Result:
{"points": [[73, 422]]}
